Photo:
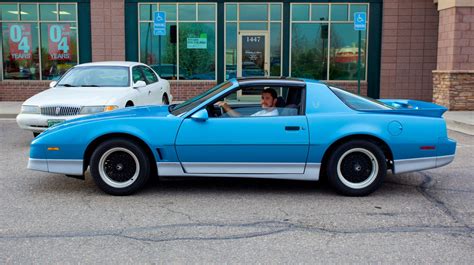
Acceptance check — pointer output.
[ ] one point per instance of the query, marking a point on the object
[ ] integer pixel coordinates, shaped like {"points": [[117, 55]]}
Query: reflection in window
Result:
{"points": [[309, 50], [157, 51], [326, 49], [344, 52], [231, 50], [197, 50], [194, 34], [275, 49], [253, 12]]}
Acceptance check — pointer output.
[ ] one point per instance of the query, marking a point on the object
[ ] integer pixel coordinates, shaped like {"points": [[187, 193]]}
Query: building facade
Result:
{"points": [[410, 49]]}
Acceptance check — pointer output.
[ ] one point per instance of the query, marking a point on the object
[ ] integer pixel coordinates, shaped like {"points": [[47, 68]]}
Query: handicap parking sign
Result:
{"points": [[360, 19], [159, 23]]}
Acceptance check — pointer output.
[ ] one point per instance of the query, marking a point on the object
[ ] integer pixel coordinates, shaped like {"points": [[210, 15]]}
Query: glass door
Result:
{"points": [[254, 54]]}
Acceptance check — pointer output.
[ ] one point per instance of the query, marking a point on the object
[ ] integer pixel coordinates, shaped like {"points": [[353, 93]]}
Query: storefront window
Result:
{"points": [[344, 53], [326, 46], [188, 49], [309, 47], [24, 57]]}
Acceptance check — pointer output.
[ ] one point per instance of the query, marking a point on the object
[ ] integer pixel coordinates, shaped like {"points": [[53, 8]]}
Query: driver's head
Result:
{"points": [[269, 98]]}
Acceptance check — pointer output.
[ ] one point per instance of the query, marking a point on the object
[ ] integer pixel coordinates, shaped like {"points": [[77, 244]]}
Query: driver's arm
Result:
{"points": [[228, 109]]}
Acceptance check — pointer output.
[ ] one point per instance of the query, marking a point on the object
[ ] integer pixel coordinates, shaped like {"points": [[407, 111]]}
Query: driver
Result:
{"points": [[268, 102]]}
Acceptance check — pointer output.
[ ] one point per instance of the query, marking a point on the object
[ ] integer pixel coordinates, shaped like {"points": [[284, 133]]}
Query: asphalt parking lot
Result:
{"points": [[425, 217]]}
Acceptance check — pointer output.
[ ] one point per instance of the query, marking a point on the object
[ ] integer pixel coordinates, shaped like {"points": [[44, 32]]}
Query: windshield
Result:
{"points": [[96, 76], [359, 102], [194, 102]]}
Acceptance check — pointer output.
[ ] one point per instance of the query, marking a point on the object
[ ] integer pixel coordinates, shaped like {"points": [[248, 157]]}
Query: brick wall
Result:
{"points": [[409, 49], [14, 90], [456, 39], [108, 30], [183, 90]]}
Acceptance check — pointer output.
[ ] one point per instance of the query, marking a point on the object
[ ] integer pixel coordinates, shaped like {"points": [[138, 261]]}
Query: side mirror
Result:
{"points": [[52, 84], [200, 115], [139, 84]]}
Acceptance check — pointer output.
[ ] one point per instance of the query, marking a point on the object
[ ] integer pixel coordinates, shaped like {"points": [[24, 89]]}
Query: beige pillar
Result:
{"points": [[453, 80]]}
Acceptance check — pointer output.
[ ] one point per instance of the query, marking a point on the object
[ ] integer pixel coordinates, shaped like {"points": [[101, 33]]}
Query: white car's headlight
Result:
{"points": [[97, 109], [30, 109]]}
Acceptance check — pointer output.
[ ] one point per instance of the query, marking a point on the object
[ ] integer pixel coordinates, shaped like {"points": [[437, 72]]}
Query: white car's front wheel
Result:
{"points": [[119, 166]]}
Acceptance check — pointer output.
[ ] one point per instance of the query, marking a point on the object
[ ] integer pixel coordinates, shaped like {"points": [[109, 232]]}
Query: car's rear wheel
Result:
{"points": [[119, 167], [356, 168]]}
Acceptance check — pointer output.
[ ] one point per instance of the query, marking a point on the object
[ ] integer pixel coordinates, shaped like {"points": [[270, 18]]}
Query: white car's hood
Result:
{"points": [[78, 96]]}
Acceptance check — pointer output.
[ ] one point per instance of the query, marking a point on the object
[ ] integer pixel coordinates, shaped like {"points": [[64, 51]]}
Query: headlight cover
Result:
{"points": [[30, 109], [97, 109]]}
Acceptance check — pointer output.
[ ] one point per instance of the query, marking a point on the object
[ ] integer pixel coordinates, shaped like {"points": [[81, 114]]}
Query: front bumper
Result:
{"points": [[39, 123], [61, 166]]}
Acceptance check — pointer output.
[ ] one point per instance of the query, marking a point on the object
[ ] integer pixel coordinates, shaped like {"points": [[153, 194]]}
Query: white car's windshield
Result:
{"points": [[96, 76]]}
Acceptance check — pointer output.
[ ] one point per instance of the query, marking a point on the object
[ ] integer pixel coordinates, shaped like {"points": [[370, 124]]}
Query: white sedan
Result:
{"points": [[92, 88]]}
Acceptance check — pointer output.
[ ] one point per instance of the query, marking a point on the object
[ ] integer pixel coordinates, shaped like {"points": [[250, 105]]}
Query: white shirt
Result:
{"points": [[265, 112]]}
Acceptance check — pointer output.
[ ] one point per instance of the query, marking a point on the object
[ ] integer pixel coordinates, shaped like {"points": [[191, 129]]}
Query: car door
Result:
{"points": [[141, 93], [155, 87], [244, 145]]}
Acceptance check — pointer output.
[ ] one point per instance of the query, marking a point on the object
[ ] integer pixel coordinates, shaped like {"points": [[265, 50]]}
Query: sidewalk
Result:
{"points": [[461, 121]]}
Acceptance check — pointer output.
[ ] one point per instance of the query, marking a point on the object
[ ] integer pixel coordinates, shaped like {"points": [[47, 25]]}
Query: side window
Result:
{"points": [[259, 101], [150, 75], [137, 75]]}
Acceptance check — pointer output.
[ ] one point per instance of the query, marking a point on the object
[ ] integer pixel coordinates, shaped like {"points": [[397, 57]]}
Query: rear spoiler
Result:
{"points": [[415, 107]]}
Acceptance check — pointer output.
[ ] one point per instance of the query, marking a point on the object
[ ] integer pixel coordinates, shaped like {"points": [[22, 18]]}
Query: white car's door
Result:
{"points": [[156, 87], [141, 94]]}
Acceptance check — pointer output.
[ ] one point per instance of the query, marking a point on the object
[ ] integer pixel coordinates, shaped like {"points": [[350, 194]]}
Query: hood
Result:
{"points": [[77, 96], [131, 112]]}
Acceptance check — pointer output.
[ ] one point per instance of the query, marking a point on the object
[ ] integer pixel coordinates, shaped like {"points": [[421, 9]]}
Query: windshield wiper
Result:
{"points": [[67, 85], [89, 85]]}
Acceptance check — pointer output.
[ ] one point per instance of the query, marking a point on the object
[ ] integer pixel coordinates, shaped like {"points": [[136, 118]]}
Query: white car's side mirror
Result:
{"points": [[52, 84], [139, 84]]}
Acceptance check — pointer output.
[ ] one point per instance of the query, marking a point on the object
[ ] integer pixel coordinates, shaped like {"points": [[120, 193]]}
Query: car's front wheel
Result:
{"points": [[119, 167], [357, 168]]}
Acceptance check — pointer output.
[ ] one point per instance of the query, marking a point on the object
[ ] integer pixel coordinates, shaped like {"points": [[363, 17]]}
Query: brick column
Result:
{"points": [[108, 30], [453, 80]]}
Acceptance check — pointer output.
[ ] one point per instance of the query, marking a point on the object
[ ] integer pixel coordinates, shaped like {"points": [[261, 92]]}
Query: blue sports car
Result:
{"points": [[278, 128]]}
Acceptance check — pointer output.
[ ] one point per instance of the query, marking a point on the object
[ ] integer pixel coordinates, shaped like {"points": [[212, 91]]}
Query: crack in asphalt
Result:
{"points": [[166, 207], [268, 227], [424, 189]]}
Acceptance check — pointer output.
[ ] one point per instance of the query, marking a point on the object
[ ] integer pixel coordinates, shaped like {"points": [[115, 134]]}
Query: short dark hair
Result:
{"points": [[270, 91]]}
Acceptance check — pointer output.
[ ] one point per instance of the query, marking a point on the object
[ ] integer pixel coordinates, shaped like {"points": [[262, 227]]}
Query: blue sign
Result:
{"points": [[159, 23], [360, 20]]}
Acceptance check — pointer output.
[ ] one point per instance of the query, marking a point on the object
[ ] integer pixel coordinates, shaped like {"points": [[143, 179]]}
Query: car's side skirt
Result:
{"points": [[61, 166], [174, 169], [416, 164]]}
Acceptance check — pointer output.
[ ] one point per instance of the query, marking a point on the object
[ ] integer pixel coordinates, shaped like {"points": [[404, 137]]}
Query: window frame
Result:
{"points": [[38, 21], [144, 69], [177, 21], [329, 22]]}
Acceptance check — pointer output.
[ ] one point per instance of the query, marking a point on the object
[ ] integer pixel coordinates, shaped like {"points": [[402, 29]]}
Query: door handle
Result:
{"points": [[292, 128], [149, 92]]}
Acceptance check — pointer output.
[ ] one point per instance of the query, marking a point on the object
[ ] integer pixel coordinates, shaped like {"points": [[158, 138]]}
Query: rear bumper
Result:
{"points": [[61, 166], [416, 164]]}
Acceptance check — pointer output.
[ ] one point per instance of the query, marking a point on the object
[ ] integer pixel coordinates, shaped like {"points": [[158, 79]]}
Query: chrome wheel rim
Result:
{"points": [[119, 167], [357, 168]]}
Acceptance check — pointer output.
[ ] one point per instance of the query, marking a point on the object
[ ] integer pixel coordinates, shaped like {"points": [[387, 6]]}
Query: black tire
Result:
{"points": [[129, 104], [356, 168], [35, 134], [120, 166], [165, 100]]}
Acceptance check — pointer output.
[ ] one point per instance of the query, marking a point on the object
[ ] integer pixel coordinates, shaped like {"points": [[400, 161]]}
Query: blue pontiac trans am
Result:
{"points": [[279, 128]]}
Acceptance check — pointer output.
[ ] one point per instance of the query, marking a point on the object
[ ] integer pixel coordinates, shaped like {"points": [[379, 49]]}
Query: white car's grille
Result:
{"points": [[60, 110]]}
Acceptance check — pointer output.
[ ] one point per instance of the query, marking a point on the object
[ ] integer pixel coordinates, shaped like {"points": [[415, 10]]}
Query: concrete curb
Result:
{"points": [[460, 127]]}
